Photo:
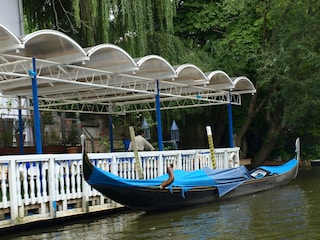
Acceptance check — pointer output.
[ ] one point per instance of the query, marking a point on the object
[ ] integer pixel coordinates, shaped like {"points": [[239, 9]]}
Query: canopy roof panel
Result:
{"points": [[110, 58], [53, 46], [190, 74], [70, 78], [8, 40], [219, 80], [243, 85], [154, 67]]}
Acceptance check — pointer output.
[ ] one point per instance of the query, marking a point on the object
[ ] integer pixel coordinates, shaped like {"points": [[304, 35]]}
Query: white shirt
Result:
{"points": [[141, 143]]}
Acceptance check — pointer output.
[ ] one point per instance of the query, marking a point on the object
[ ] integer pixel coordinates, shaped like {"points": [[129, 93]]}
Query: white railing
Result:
{"points": [[46, 186]]}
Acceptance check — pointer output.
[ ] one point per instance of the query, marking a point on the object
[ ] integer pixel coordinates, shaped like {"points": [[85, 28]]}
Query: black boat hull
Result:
{"points": [[315, 163], [157, 199]]}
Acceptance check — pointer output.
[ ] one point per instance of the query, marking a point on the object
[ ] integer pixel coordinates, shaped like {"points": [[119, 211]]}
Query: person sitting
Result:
{"points": [[141, 143], [125, 141]]}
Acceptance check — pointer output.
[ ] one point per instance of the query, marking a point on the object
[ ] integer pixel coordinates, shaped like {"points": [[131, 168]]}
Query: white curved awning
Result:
{"points": [[219, 80], [154, 67], [190, 74], [104, 75], [110, 58], [53, 46], [8, 40], [243, 85]]}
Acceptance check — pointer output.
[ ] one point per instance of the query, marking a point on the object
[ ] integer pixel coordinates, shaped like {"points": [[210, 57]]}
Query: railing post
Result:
{"points": [[196, 163], [179, 161], [3, 177], [160, 164], [226, 159], [51, 186], [13, 191], [114, 166], [85, 196]]}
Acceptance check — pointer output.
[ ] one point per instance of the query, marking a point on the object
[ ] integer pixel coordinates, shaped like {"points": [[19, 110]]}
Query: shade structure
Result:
{"points": [[54, 73], [105, 78]]}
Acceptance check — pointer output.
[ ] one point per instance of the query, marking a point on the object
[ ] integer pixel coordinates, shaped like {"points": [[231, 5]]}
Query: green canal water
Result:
{"points": [[289, 212]]}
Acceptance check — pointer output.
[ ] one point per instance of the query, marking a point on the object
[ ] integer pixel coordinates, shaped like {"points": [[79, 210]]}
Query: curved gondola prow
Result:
{"points": [[297, 145], [87, 166], [297, 150], [170, 180]]}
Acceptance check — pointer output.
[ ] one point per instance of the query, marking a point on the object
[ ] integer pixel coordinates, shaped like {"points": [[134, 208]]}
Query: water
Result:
{"points": [[290, 212]]}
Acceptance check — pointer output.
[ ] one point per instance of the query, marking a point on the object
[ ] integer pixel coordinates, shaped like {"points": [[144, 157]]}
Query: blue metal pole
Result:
{"points": [[230, 122], [111, 133], [158, 113], [36, 114], [21, 138]]}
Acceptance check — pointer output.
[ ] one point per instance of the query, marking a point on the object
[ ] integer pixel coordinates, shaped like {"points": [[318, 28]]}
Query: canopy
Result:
{"points": [[105, 78]]}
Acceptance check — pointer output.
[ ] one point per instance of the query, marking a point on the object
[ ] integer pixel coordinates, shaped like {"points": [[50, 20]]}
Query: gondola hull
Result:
{"points": [[153, 198], [315, 163]]}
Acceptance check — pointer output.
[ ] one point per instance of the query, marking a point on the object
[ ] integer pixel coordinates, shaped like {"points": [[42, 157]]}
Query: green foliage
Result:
{"points": [[16, 126], [274, 43], [295, 65], [128, 24], [73, 136]]}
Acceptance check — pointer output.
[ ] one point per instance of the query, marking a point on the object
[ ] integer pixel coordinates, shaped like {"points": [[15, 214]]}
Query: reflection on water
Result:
{"points": [[290, 212]]}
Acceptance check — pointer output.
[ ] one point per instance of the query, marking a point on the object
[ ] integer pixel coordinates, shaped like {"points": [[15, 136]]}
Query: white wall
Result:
{"points": [[11, 15]]}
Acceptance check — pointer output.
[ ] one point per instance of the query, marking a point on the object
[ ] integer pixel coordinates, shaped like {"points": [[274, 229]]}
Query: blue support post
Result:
{"points": [[158, 113], [230, 122], [37, 125]]}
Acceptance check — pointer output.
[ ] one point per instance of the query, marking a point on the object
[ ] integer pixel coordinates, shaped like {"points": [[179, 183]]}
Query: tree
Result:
{"points": [[290, 72], [129, 24], [273, 43]]}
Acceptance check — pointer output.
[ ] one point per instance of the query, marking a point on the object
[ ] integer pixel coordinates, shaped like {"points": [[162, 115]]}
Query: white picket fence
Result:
{"points": [[45, 186]]}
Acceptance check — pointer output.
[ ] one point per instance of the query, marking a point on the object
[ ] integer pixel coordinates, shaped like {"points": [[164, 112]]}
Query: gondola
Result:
{"points": [[315, 163], [179, 189]]}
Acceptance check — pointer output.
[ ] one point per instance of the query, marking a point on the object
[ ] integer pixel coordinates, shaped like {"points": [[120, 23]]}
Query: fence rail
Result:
{"points": [[46, 186]]}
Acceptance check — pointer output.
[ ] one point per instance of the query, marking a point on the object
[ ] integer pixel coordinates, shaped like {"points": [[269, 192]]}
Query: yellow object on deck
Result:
{"points": [[211, 146], [136, 154]]}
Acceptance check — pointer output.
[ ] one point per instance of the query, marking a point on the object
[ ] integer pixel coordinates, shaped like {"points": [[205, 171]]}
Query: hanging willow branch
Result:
{"points": [[130, 23]]}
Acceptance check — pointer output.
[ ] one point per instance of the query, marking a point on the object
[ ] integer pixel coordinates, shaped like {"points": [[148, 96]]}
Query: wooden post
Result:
{"points": [[211, 146], [136, 154], [85, 185]]}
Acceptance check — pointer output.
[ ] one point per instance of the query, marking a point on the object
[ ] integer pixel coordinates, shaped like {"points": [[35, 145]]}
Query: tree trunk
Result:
{"points": [[253, 110], [270, 142], [219, 130]]}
